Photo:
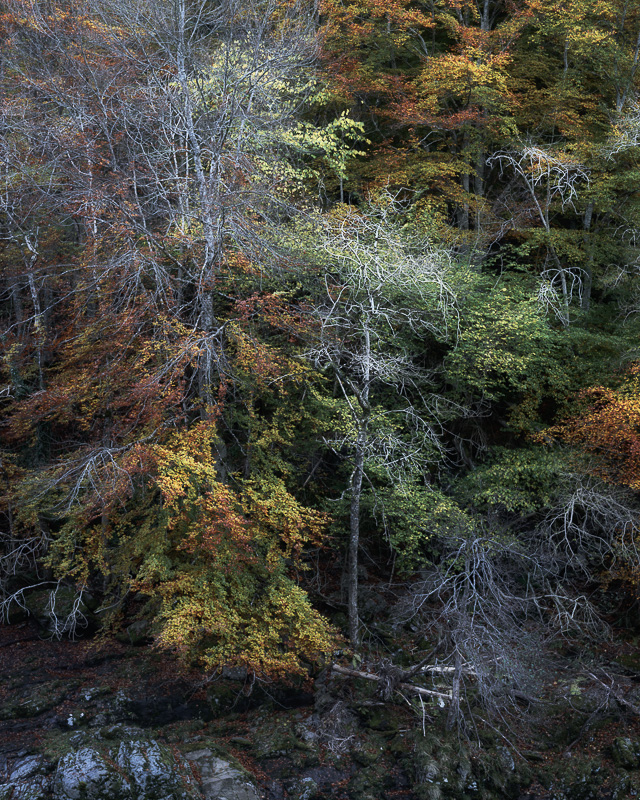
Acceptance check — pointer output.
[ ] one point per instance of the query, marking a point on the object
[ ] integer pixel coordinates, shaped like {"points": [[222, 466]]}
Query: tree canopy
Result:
{"points": [[297, 297]]}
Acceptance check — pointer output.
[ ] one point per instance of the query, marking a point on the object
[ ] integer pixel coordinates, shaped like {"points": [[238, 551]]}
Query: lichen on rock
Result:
{"points": [[219, 779]]}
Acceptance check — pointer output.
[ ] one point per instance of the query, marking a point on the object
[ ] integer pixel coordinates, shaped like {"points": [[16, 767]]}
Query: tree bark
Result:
{"points": [[588, 244], [354, 536]]}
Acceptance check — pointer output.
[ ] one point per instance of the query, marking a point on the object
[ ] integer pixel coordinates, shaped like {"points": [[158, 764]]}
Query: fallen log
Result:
{"points": [[449, 670], [407, 687]]}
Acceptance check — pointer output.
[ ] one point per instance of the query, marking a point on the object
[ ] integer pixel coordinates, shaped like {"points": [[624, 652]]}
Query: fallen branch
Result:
{"points": [[449, 670], [617, 694], [407, 687]]}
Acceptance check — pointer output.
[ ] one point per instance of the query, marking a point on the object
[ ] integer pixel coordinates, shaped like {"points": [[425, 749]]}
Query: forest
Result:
{"points": [[320, 335]]}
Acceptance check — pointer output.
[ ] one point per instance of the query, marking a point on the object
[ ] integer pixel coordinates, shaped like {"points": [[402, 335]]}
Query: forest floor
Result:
{"points": [[336, 736]]}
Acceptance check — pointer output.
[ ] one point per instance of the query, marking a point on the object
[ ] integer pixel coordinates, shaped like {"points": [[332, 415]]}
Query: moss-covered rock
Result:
{"points": [[137, 633], [35, 699], [130, 769], [221, 778], [27, 780], [223, 697], [575, 779], [368, 783], [86, 775], [626, 752], [303, 789], [441, 767], [378, 717], [60, 610], [366, 754], [277, 739]]}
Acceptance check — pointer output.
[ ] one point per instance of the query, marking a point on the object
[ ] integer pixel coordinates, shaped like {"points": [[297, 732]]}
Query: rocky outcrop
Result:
{"points": [[156, 771], [220, 780], [135, 769], [114, 730], [87, 775], [27, 780], [626, 752]]}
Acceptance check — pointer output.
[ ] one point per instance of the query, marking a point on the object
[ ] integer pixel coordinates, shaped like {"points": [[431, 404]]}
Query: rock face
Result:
{"points": [[156, 772], [86, 775], [136, 769], [27, 781], [220, 780]]}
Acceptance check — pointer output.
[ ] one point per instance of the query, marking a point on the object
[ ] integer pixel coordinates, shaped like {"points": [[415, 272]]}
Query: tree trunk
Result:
{"points": [[356, 487], [354, 535], [588, 245]]}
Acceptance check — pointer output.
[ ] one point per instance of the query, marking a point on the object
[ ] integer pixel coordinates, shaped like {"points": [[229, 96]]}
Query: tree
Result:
{"points": [[550, 179], [155, 147], [166, 125], [607, 429], [379, 292]]}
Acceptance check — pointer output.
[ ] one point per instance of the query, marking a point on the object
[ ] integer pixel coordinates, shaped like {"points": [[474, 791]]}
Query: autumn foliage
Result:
{"points": [[286, 288], [608, 429]]}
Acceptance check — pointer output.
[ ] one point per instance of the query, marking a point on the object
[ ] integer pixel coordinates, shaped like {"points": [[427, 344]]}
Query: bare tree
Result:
{"points": [[548, 178], [470, 604], [166, 129], [590, 523], [626, 133], [379, 288], [493, 598]]}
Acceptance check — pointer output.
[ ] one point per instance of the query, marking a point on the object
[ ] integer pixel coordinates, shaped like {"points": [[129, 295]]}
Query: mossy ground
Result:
{"points": [[340, 742]]}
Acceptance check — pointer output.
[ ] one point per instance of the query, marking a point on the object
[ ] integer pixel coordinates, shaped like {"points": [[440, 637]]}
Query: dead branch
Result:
{"points": [[614, 692], [407, 687]]}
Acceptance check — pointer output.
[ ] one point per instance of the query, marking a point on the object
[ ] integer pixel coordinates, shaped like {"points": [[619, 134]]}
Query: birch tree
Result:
{"points": [[379, 289], [550, 179], [165, 136]]}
